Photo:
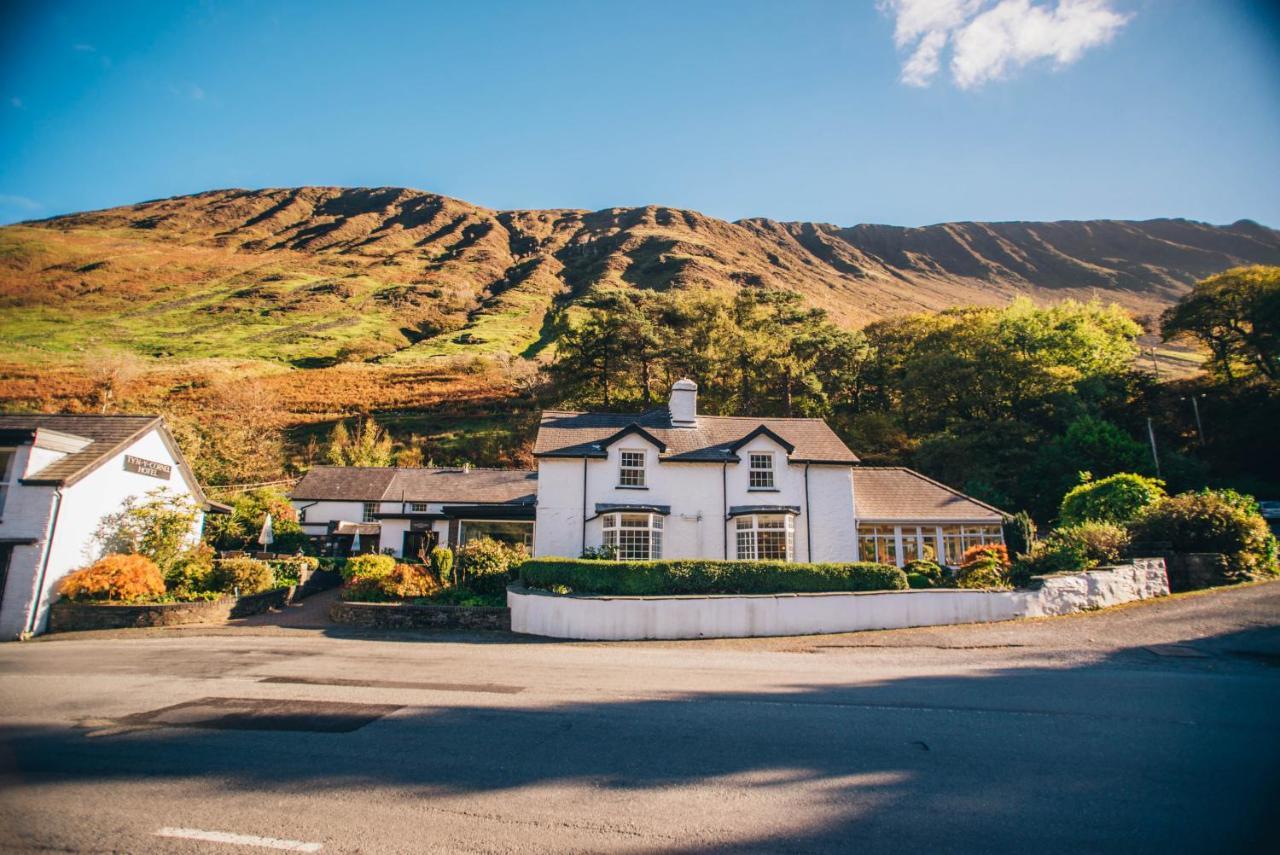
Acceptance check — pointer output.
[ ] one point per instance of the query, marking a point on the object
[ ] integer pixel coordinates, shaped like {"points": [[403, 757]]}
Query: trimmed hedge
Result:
{"points": [[660, 578]]}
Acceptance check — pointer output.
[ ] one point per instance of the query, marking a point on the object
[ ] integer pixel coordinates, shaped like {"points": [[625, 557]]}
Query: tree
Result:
{"points": [[240, 528], [160, 525], [1236, 314], [368, 446]]}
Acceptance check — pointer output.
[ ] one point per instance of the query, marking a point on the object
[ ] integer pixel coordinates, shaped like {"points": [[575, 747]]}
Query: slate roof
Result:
{"points": [[369, 484], [893, 493], [108, 435], [573, 434]]}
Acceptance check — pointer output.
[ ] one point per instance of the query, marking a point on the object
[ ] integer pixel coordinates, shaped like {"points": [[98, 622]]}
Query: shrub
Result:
{"points": [[984, 566], [600, 553], [366, 589], [407, 581], [115, 578], [289, 571], [1117, 499], [159, 525], [1212, 521], [1019, 533], [696, 576], [1074, 548], [442, 564], [242, 576], [367, 566], [929, 573], [190, 576], [240, 528], [485, 565]]}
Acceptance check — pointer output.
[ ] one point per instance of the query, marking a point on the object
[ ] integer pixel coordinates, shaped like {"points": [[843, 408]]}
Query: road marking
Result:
{"points": [[239, 839]]}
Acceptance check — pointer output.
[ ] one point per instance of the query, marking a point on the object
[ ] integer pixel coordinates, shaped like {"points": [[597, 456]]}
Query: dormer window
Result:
{"points": [[631, 468], [761, 477]]}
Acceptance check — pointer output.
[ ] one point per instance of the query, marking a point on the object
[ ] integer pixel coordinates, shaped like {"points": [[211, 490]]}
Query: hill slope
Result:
{"points": [[311, 275]]}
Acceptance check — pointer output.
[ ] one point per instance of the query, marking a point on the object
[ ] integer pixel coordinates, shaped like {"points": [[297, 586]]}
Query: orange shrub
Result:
{"points": [[410, 580], [115, 578], [995, 550]]}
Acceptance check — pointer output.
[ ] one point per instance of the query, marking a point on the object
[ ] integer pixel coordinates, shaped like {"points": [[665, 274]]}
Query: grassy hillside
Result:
{"points": [[425, 309]]}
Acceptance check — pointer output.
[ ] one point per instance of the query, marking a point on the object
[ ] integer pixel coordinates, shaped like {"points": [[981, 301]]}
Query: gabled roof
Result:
{"points": [[715, 439], [378, 484], [107, 435], [898, 494]]}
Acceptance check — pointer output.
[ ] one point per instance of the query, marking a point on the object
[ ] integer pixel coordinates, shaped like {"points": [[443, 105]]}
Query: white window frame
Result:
{"points": [[630, 469], [767, 481], [625, 532], [367, 511], [419, 507], [6, 476], [747, 531]]}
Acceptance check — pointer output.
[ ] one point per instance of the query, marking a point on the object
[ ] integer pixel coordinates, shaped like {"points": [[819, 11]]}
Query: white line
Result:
{"points": [[239, 839]]}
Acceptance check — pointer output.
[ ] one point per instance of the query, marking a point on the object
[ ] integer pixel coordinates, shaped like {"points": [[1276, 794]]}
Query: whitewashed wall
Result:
{"points": [[638, 618], [696, 494], [84, 504]]}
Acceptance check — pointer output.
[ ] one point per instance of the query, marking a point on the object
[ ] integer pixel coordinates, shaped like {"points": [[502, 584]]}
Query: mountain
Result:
{"points": [[313, 275]]}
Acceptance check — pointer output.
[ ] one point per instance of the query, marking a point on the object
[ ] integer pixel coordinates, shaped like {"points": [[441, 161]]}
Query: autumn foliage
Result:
{"points": [[115, 578]]}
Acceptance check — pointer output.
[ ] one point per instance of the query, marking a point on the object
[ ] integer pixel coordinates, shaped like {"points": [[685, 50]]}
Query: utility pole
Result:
{"points": [[1195, 406], [1151, 433]]}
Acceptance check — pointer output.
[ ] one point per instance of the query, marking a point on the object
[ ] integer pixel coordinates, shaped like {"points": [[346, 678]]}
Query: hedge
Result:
{"points": [[659, 578]]}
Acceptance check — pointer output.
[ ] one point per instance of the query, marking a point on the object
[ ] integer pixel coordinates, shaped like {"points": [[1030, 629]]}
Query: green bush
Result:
{"points": [[247, 576], [695, 576], [190, 576], [1117, 499], [984, 566], [929, 572], [485, 565], [1074, 548], [460, 597], [1019, 533], [368, 566], [1212, 521], [442, 564], [331, 564], [289, 571]]}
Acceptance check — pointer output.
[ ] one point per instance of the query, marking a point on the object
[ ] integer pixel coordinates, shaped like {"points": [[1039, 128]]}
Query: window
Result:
{"points": [[418, 507], [761, 477], [512, 533], [7, 458], [877, 543], [370, 508], [631, 469], [957, 538], [766, 537], [634, 537], [919, 542]]}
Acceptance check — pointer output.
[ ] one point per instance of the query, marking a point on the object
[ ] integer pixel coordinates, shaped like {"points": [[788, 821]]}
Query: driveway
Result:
{"points": [[1143, 729]]}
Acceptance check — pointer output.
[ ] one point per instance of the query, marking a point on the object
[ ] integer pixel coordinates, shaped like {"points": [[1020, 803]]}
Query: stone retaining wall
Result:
{"points": [[406, 616], [741, 616], [71, 617]]}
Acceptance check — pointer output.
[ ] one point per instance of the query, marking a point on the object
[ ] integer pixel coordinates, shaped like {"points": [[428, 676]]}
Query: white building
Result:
{"points": [[410, 511], [59, 476], [671, 483]]}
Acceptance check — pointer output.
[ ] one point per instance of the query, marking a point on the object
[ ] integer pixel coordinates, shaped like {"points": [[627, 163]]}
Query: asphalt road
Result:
{"points": [[1145, 729]]}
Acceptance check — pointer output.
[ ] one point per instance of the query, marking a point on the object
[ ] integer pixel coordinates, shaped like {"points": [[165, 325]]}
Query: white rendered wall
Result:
{"points": [[637, 618], [698, 495], [84, 504]]}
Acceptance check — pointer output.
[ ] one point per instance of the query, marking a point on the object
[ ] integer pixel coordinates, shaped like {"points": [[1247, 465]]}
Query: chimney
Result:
{"points": [[684, 404]]}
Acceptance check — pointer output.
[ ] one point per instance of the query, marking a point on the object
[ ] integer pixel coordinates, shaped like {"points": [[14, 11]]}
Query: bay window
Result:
{"points": [[634, 537], [766, 537]]}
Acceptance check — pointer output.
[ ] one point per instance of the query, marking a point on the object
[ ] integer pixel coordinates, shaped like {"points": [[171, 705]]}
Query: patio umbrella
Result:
{"points": [[266, 537], [355, 543]]}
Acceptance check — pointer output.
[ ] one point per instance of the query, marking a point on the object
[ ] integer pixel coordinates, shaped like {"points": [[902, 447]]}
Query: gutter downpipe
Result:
{"points": [[724, 500], [34, 620], [808, 527], [584, 504]]}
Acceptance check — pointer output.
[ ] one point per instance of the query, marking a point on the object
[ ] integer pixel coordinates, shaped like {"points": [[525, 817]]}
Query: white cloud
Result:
{"points": [[991, 38], [20, 202]]}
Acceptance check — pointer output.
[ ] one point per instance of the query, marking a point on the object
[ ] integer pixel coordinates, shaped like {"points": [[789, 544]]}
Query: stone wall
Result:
{"points": [[405, 616], [71, 617], [740, 616]]}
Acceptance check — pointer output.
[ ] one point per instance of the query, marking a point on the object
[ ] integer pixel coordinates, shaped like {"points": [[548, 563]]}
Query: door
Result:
{"points": [[418, 545]]}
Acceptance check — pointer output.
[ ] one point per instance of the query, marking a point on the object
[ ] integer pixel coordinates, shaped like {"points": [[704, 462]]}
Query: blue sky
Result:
{"points": [[904, 111]]}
